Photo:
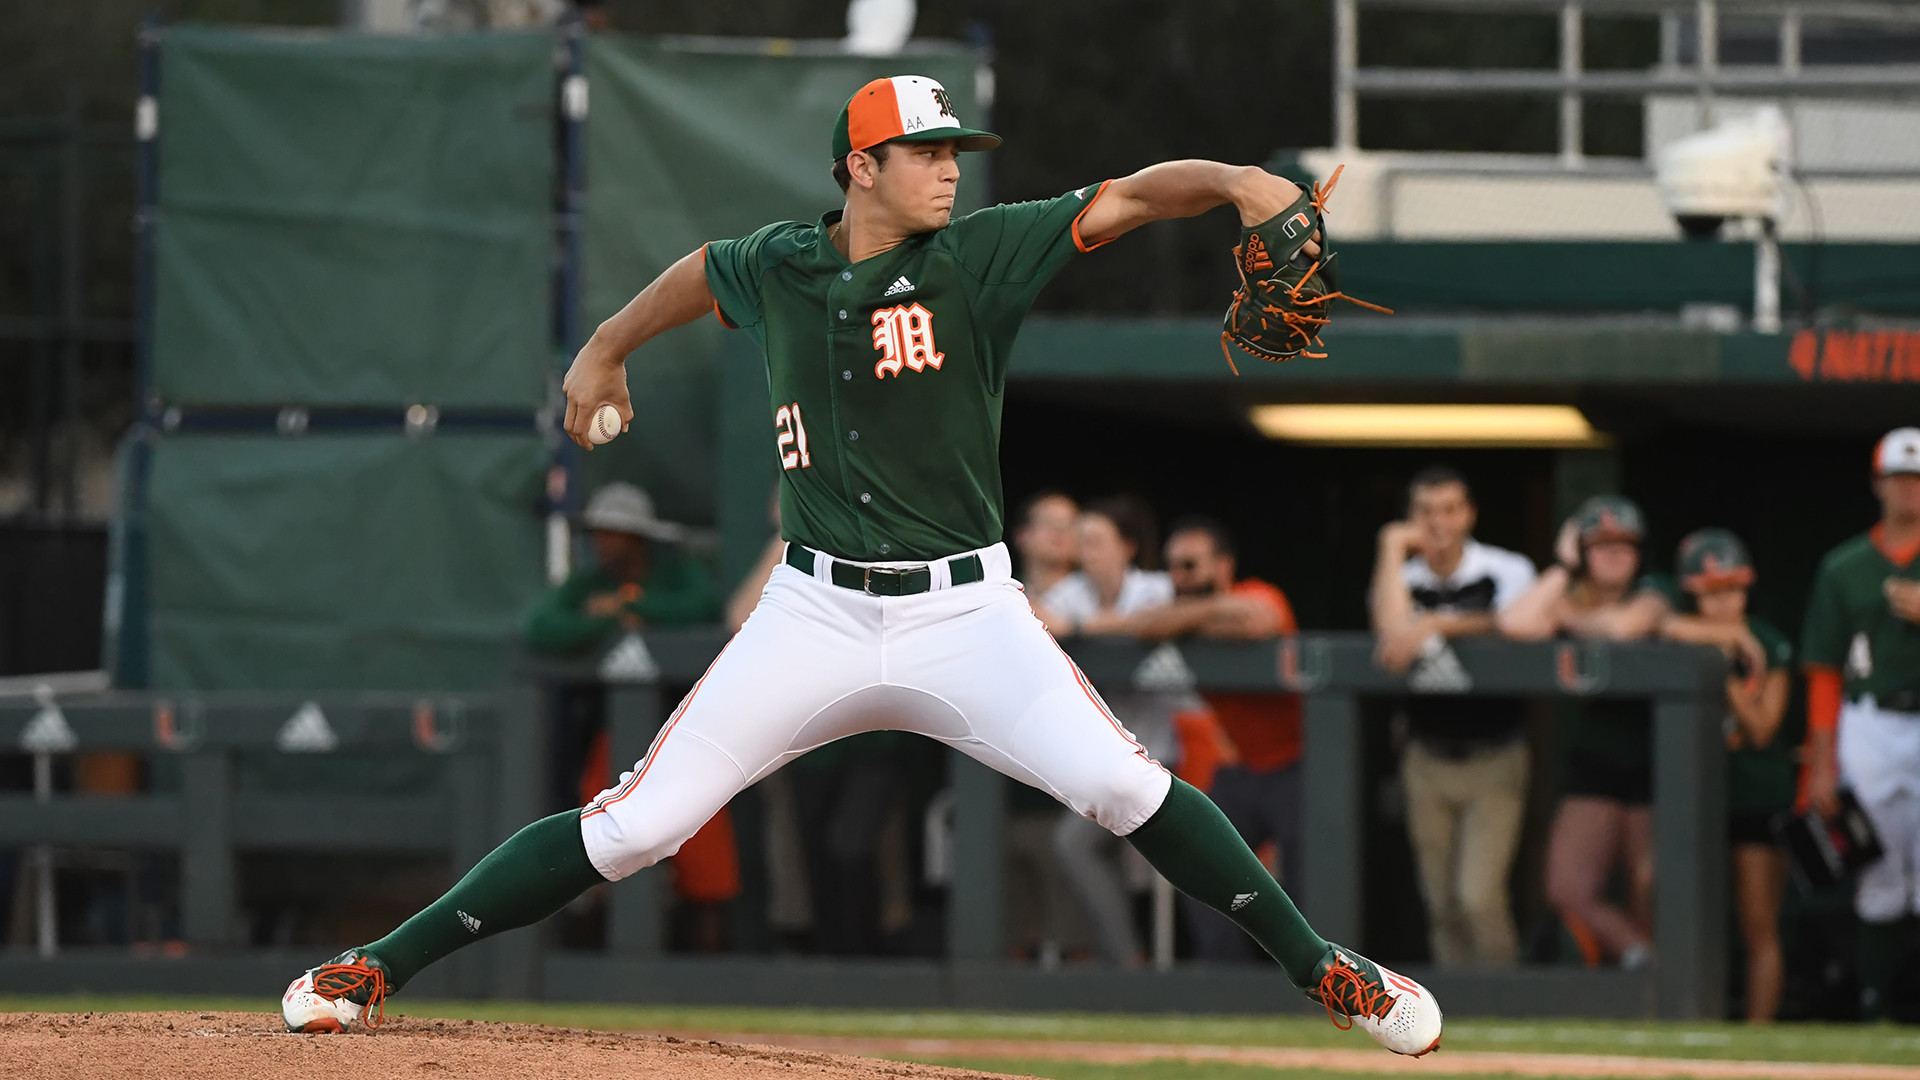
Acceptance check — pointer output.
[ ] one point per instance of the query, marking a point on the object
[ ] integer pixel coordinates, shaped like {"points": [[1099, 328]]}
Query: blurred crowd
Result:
{"points": [[853, 835]]}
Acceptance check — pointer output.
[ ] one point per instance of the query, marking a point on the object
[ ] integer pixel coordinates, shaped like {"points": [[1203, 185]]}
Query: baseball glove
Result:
{"points": [[1285, 295]]}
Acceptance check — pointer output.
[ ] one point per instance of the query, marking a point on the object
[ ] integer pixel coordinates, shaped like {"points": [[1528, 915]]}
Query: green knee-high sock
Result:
{"points": [[1193, 845], [531, 876]]}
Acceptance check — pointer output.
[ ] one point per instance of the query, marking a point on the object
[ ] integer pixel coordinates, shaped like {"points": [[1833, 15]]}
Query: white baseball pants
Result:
{"points": [[968, 665], [1879, 754]]}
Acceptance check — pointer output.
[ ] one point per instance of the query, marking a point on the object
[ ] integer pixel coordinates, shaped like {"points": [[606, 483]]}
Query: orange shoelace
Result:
{"points": [[335, 981], [1303, 325], [1369, 999]]}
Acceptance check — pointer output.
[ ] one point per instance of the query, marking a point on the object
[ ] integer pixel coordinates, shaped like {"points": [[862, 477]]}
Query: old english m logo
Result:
{"points": [[903, 335]]}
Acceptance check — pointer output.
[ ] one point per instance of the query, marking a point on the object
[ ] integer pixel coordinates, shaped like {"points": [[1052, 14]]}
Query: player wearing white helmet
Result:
{"points": [[1861, 649]]}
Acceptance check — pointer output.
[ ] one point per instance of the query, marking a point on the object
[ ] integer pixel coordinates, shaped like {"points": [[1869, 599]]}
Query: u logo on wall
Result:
{"points": [[1581, 667], [1304, 669]]}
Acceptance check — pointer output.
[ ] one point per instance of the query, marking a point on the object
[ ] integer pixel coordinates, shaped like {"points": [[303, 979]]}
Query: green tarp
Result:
{"points": [[346, 563], [690, 141], [354, 219]]}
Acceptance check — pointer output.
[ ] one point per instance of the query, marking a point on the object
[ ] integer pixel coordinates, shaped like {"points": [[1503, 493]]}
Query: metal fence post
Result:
{"points": [[1690, 854], [637, 906], [974, 917], [1330, 818], [517, 779], [206, 856]]}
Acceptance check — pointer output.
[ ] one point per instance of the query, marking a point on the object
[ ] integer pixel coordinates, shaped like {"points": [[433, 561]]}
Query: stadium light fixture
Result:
{"points": [[1428, 425]]}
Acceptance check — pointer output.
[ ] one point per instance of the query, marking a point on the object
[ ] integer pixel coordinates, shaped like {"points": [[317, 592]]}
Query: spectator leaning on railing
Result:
{"points": [[1465, 767], [1714, 573], [1594, 590], [631, 584], [1861, 646], [1260, 793]]}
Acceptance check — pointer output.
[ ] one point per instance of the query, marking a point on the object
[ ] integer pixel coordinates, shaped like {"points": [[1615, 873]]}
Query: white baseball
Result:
{"points": [[606, 424]]}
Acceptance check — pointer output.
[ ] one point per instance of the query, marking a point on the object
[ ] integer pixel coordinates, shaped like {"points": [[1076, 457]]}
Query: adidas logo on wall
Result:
{"points": [[1439, 671], [629, 661], [307, 732], [1164, 669], [48, 732], [900, 285]]}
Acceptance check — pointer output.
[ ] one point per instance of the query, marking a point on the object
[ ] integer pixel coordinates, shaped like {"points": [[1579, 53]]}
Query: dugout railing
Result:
{"points": [[486, 745], [494, 781], [1333, 672]]}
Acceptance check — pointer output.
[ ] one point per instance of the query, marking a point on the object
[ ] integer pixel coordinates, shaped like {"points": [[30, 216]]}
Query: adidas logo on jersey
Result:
{"points": [[1242, 899], [900, 285], [472, 924]]}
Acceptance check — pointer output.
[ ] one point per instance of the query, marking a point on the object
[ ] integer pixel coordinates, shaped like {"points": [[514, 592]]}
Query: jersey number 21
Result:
{"points": [[793, 433]]}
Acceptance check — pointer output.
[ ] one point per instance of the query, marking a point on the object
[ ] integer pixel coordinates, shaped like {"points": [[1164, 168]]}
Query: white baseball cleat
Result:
{"points": [[337, 995], [1399, 1013]]}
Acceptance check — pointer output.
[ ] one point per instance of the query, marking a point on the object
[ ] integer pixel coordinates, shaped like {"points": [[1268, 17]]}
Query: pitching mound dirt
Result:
{"points": [[247, 1046]]}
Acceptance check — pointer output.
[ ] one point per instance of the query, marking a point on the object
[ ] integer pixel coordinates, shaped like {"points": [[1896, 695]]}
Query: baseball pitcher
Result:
{"points": [[887, 326]]}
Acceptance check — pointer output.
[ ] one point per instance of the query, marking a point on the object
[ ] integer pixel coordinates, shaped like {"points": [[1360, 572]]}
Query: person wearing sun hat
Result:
{"points": [[887, 327], [1710, 608], [1860, 646]]}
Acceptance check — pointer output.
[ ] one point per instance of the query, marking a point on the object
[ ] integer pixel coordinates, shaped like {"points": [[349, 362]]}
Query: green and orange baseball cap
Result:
{"points": [[1609, 517], [1712, 559], [903, 108]]}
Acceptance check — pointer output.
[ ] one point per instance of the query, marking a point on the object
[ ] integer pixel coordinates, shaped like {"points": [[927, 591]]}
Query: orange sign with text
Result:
{"points": [[1873, 356]]}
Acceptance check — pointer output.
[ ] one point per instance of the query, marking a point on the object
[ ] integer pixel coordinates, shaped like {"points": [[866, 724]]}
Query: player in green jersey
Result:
{"points": [[1861, 649], [887, 327]]}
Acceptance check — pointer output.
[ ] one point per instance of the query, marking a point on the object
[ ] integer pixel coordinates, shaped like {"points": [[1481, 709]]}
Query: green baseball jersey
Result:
{"points": [[677, 592], [1850, 626], [888, 375], [1761, 779]]}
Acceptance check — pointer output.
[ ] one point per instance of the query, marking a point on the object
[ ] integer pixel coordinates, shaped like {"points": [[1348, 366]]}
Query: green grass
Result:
{"points": [[1182, 1070], [1785, 1042]]}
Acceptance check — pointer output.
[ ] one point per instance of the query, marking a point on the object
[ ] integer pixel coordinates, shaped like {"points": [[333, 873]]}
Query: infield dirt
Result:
{"points": [[247, 1046]]}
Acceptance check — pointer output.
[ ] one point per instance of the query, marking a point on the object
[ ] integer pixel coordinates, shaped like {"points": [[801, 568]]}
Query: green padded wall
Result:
{"points": [[341, 562], [353, 219]]}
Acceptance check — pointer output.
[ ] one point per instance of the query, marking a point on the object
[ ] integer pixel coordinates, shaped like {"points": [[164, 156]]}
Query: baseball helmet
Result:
{"points": [[1609, 517], [1898, 452], [1713, 559]]}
